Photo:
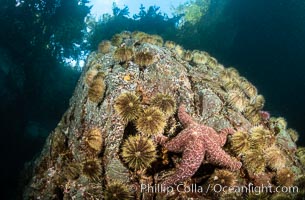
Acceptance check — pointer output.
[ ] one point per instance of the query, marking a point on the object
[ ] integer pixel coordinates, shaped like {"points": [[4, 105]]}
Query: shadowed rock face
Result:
{"points": [[82, 156]]}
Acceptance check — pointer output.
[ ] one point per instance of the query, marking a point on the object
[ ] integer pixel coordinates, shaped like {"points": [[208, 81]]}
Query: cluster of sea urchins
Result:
{"points": [[138, 151], [263, 157], [90, 165], [259, 149], [261, 154], [148, 120]]}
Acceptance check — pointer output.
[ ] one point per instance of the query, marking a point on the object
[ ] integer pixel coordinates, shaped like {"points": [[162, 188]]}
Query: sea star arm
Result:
{"points": [[191, 160], [184, 118], [223, 135], [178, 143], [160, 139], [221, 158]]}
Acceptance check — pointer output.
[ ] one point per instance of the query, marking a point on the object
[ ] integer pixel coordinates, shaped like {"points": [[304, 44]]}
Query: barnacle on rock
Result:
{"points": [[222, 178], [90, 76], [293, 134], [254, 161], [117, 191], [274, 158], [144, 59], [104, 46], [138, 152], [285, 177], [123, 54], [127, 105], [93, 139], [170, 44], [261, 137], [165, 103], [200, 57], [97, 88], [237, 100], [92, 169], [151, 121], [240, 142]]}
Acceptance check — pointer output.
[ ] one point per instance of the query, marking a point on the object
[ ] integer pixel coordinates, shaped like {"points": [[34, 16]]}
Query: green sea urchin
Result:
{"points": [[127, 105], [90, 76], [240, 142], [170, 44], [222, 178], [274, 158], [138, 152], [261, 137], [187, 55], [293, 134], [72, 171], [117, 40], [165, 103], [151, 121], [285, 177], [254, 161], [123, 54], [237, 99], [200, 57], [97, 88], [143, 59], [92, 169], [104, 47], [117, 191], [93, 139]]}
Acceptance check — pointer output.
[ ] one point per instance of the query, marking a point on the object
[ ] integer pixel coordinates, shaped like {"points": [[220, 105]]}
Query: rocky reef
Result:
{"points": [[150, 120]]}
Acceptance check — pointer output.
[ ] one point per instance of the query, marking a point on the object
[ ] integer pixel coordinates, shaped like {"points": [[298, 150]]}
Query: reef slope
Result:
{"points": [[87, 156]]}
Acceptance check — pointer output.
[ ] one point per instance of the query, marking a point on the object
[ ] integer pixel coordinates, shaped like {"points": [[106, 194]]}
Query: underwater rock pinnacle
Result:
{"points": [[130, 88]]}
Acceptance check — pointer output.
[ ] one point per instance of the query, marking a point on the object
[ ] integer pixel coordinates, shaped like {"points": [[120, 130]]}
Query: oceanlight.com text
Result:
{"points": [[217, 188], [250, 188]]}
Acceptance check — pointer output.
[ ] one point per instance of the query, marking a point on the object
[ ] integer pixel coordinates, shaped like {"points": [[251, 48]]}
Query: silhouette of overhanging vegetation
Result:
{"points": [[152, 21]]}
